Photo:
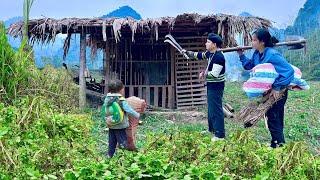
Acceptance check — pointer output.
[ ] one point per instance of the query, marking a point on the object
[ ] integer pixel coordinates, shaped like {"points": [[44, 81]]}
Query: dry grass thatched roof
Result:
{"points": [[45, 30]]}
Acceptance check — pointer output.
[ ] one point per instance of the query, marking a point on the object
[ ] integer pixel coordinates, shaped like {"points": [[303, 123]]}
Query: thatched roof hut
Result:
{"points": [[119, 35], [44, 30]]}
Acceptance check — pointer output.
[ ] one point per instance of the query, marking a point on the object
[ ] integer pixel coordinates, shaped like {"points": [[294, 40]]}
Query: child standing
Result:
{"points": [[215, 78], [117, 109]]}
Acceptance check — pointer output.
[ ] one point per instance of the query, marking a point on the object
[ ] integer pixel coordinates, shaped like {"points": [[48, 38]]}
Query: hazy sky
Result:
{"points": [[282, 12]]}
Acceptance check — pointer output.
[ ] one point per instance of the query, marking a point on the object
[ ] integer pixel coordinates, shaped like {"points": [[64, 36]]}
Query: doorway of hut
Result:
{"points": [[146, 68], [156, 72]]}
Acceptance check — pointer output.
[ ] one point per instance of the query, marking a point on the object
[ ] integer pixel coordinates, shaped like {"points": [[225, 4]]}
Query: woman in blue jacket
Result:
{"points": [[263, 44]]}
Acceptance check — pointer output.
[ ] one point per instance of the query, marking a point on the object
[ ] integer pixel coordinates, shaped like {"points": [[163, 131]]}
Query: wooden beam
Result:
{"points": [[172, 90], [125, 62], [140, 92], [170, 99], [104, 60], [94, 93], [148, 94], [131, 91], [130, 57], [164, 96], [156, 96], [107, 67], [82, 80], [189, 86]]}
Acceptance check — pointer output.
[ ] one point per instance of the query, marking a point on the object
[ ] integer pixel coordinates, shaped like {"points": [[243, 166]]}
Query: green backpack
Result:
{"points": [[113, 108]]}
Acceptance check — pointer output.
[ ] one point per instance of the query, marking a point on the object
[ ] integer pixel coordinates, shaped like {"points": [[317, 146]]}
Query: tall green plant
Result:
{"points": [[6, 58], [27, 4], [15, 68]]}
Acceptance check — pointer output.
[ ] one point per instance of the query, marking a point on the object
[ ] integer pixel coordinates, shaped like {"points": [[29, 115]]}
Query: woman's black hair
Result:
{"points": [[264, 35]]}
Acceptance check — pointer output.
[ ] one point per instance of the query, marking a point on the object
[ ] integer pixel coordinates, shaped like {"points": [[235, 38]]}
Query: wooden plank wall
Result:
{"points": [[155, 95], [190, 90], [135, 63]]}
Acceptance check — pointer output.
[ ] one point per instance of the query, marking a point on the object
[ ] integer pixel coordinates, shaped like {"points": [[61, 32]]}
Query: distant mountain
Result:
{"points": [[122, 12], [74, 51], [276, 32], [15, 43], [308, 19], [53, 53], [245, 14], [10, 21]]}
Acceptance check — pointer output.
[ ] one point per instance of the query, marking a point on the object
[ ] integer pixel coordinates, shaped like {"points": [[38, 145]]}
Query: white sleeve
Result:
{"points": [[216, 69]]}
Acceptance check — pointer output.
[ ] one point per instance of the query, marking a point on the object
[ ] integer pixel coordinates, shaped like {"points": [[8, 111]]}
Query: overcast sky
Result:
{"points": [[283, 12]]}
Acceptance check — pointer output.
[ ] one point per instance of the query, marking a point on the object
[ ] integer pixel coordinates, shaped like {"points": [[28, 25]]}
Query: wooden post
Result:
{"points": [[155, 95], [148, 94], [82, 80], [131, 71], [125, 61], [172, 99], [104, 60], [164, 96], [131, 90], [140, 92], [107, 67]]}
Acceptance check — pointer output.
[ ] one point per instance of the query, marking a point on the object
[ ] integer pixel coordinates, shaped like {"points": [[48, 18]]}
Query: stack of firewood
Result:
{"points": [[228, 110], [256, 110]]}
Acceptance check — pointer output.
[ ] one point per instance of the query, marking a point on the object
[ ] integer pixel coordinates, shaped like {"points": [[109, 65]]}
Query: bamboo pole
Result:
{"points": [[131, 71], [27, 4], [125, 60], [289, 43], [82, 80], [107, 67], [123, 54], [104, 69], [173, 77]]}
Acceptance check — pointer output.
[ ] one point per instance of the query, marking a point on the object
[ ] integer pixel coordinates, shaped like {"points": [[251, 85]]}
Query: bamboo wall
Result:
{"points": [[145, 68], [190, 90], [158, 73]]}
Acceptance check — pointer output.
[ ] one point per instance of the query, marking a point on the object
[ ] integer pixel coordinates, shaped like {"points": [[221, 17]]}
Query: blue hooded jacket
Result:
{"points": [[281, 65]]}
